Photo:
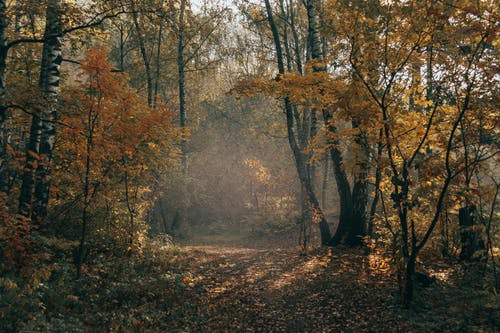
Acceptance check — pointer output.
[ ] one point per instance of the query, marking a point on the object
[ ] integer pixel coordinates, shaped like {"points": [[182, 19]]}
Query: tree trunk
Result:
{"points": [[131, 211], [445, 240], [158, 63], [408, 283], [181, 83], [343, 186], [87, 197], [284, 27], [145, 58], [3, 109], [358, 222], [164, 222], [299, 157], [42, 132], [313, 130], [305, 220], [306, 129], [174, 226], [314, 36], [32, 157], [180, 214], [324, 185], [473, 246], [296, 43], [360, 189], [86, 205], [378, 179], [49, 82]]}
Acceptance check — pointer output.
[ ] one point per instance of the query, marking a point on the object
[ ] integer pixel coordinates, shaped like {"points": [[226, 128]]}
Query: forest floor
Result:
{"points": [[269, 286], [262, 286], [276, 289]]}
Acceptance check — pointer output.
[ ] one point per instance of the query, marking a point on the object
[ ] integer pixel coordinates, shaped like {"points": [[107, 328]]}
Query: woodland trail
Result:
{"points": [[263, 286], [275, 289], [278, 290]]}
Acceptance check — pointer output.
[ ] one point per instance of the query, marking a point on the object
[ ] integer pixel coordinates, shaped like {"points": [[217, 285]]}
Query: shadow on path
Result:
{"points": [[268, 288]]}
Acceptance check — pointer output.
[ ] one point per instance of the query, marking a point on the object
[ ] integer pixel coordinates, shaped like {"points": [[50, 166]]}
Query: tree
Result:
{"points": [[300, 160], [42, 133], [434, 116], [3, 109], [352, 218], [102, 112], [49, 78], [27, 31], [142, 47]]}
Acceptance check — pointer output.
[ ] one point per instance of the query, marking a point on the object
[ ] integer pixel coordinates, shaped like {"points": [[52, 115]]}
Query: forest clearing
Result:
{"points": [[249, 166]]}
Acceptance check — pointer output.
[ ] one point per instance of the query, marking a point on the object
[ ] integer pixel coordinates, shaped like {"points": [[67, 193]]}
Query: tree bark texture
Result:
{"points": [[42, 132], [158, 64], [32, 157], [3, 108], [181, 213], [473, 244], [181, 83], [142, 47], [360, 189], [49, 83]]}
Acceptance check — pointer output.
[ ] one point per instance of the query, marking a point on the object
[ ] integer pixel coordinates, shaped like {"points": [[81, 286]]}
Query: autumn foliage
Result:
{"points": [[116, 146], [295, 166]]}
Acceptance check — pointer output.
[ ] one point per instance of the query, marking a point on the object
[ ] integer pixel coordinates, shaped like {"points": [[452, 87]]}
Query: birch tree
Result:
{"points": [[300, 159], [49, 82], [42, 132]]}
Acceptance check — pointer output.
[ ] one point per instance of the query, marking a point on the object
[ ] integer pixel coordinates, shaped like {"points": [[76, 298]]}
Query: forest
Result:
{"points": [[249, 166]]}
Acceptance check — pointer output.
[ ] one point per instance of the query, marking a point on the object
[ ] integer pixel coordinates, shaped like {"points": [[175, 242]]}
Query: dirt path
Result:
{"points": [[259, 288], [269, 289], [277, 290]]}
